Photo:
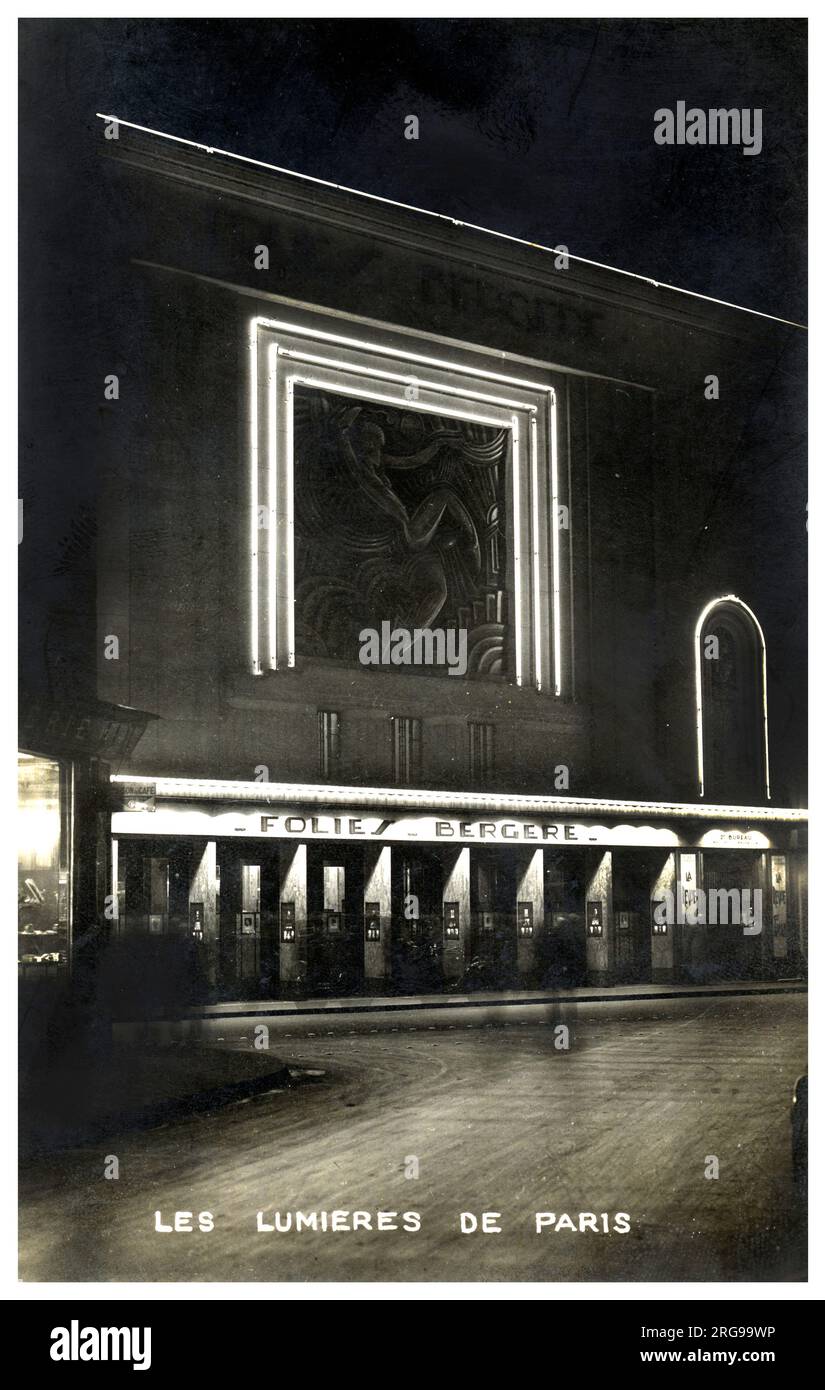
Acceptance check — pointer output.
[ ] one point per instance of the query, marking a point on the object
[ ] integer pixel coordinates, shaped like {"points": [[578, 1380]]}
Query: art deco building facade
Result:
{"points": [[328, 417]]}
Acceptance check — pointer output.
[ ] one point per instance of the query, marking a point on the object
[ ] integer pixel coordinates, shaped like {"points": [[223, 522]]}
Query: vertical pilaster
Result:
{"points": [[293, 935], [798, 869], [377, 912], [662, 923], [203, 907], [762, 923], [455, 897], [598, 922], [777, 911], [529, 895], [692, 947]]}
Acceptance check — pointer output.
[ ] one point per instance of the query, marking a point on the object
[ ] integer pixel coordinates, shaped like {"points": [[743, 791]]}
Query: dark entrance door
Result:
{"points": [[492, 963], [335, 901], [562, 955], [417, 928], [248, 876], [634, 874], [728, 950], [153, 964]]}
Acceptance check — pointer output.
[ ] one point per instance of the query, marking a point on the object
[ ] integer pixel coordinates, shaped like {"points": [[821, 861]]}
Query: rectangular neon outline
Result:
{"points": [[290, 525], [534, 488], [253, 496], [272, 463], [555, 543], [442, 388], [362, 395], [377, 349], [404, 378], [516, 544]]}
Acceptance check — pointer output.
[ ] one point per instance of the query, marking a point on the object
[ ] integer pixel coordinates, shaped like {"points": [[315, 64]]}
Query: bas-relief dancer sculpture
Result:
{"points": [[412, 537]]}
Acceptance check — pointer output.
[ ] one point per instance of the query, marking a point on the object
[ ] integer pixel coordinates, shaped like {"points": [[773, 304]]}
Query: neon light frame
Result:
{"points": [[697, 650], [543, 395]]}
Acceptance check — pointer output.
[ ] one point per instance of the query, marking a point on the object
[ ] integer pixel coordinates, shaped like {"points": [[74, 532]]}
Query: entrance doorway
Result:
{"points": [[416, 934], [153, 963], [248, 882], [725, 950], [492, 961], [562, 957], [335, 919], [635, 873]]}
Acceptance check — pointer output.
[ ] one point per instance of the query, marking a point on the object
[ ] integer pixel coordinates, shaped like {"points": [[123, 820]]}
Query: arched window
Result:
{"points": [[731, 703]]}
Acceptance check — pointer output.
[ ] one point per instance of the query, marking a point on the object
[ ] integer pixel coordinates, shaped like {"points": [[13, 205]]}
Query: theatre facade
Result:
{"points": [[429, 556]]}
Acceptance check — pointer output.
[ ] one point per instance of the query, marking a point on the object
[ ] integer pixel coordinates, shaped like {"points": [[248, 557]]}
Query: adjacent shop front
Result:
{"points": [[65, 752]]}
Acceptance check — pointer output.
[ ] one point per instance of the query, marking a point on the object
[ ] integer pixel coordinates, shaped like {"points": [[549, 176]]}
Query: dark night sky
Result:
{"points": [[543, 129]]}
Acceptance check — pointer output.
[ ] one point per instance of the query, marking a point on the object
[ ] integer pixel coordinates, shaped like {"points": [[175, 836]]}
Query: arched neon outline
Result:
{"points": [[697, 642]]}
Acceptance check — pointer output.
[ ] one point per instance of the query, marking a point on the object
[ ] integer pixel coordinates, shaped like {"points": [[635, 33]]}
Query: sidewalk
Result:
{"points": [[588, 994], [83, 1098]]}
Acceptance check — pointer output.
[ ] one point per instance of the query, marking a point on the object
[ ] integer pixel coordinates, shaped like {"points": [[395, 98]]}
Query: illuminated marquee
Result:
{"points": [[297, 823]]}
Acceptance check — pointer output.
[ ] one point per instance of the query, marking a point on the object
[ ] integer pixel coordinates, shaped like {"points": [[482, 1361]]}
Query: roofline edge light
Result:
{"points": [[445, 217]]}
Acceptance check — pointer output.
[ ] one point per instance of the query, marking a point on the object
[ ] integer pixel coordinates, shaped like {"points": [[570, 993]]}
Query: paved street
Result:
{"points": [[499, 1120]]}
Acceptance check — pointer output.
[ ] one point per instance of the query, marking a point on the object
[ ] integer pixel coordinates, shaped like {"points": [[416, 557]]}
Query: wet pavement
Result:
{"points": [[494, 1114]]}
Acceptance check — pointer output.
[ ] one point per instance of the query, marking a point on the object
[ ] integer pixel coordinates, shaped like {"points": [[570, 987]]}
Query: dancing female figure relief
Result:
{"points": [[438, 523], [399, 519]]}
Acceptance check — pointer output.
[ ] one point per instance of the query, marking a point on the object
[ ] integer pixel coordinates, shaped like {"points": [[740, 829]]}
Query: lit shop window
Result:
{"points": [[42, 867], [452, 929], [525, 919], [595, 919], [329, 744], [482, 754], [406, 750], [372, 921]]}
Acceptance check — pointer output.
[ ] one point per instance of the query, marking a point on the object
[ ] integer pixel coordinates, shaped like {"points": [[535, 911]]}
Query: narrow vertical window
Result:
{"points": [[406, 750], [482, 754], [329, 745]]}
